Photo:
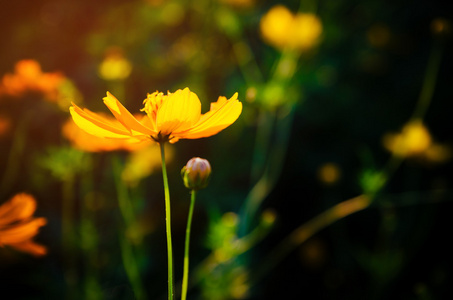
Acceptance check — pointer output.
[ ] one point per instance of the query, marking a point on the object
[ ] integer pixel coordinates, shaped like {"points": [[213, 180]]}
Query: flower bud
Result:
{"points": [[196, 173]]}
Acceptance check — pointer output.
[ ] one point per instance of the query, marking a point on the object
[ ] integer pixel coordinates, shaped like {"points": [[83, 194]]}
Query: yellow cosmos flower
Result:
{"points": [[168, 117]]}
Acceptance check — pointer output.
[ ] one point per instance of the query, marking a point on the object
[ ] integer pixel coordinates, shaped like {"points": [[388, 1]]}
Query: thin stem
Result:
{"points": [[185, 278], [429, 82], [271, 173], [246, 61], [69, 237], [264, 132], [310, 228], [131, 267], [13, 164], [124, 201], [127, 252], [238, 247], [167, 223], [89, 241]]}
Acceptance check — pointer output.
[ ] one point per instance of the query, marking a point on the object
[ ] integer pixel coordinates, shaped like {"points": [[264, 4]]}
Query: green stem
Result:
{"points": [[127, 252], [167, 223], [131, 267], [246, 61], [185, 278], [429, 82], [13, 165], [266, 121], [308, 229], [69, 237], [271, 173], [89, 240], [124, 202]]}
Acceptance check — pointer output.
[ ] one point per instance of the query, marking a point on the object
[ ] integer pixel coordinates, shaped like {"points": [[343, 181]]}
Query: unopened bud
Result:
{"points": [[196, 173]]}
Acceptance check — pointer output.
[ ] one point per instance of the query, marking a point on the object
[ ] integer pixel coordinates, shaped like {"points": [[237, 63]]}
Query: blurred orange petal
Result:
{"points": [[17, 225], [21, 231], [30, 247], [20, 207], [28, 77]]}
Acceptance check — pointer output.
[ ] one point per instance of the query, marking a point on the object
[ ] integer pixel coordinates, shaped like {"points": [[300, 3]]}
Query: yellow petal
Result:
{"points": [[125, 117], [223, 114], [96, 125], [82, 140], [180, 111]]}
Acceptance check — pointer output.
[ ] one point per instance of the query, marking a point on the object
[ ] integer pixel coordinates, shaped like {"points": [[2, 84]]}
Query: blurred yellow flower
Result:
{"points": [[285, 30], [168, 118], [17, 225], [115, 66], [414, 140], [84, 141], [28, 77]]}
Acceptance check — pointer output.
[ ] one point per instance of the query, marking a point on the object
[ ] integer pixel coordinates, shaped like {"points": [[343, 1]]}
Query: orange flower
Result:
{"points": [[168, 118], [18, 227], [84, 141], [28, 77]]}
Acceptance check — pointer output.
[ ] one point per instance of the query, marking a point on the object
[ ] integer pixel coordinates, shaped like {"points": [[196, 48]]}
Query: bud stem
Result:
{"points": [[185, 278]]}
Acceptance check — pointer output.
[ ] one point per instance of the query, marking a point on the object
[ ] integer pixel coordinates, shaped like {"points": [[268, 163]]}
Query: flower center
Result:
{"points": [[152, 103]]}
